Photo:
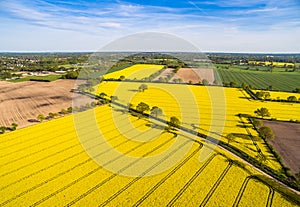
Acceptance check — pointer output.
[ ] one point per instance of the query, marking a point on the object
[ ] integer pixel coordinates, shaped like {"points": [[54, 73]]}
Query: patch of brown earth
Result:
{"points": [[20, 102], [286, 142]]}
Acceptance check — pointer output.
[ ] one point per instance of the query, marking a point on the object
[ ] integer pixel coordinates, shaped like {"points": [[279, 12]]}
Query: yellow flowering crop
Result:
{"points": [[138, 71], [107, 157]]}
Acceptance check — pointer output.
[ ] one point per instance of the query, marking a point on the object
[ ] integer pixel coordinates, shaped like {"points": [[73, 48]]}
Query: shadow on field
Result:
{"points": [[133, 90], [245, 136]]}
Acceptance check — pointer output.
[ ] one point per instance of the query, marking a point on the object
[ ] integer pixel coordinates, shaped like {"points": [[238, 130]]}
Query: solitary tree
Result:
{"points": [[63, 111], [244, 85], [263, 112], [70, 109], [102, 95], [93, 104], [266, 132], [257, 123], [230, 137], [130, 106], [51, 115], [82, 88], [205, 82], [113, 98], [14, 126], [143, 87], [217, 82], [90, 89], [40, 117], [297, 90], [233, 84], [263, 95], [174, 122], [141, 107], [122, 77], [155, 111], [2, 129], [292, 98]]}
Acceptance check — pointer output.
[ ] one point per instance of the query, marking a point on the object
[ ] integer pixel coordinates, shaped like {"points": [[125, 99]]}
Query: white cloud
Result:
{"points": [[230, 30]]}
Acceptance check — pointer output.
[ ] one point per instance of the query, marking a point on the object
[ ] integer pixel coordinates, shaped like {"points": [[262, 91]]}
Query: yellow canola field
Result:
{"points": [[280, 95], [267, 63], [48, 165], [138, 72], [210, 110]]}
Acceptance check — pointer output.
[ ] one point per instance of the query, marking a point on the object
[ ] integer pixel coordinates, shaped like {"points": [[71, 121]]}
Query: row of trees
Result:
{"points": [[155, 111], [51, 115], [13, 127], [265, 95]]}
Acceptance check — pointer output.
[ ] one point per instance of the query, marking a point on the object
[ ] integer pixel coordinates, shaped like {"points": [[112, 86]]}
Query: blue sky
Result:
{"points": [[218, 25]]}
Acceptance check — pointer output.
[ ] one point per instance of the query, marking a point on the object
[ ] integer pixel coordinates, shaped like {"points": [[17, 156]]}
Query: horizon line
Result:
{"points": [[87, 51]]}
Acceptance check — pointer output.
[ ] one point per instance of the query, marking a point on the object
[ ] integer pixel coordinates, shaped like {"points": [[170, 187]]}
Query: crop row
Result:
{"points": [[261, 80]]}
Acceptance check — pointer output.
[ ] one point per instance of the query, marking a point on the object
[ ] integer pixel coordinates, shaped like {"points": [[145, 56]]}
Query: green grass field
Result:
{"points": [[261, 80], [37, 78]]}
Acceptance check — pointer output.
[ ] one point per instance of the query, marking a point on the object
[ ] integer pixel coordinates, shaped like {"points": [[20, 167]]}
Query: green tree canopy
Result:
{"points": [[41, 117], [102, 95], [156, 111], [113, 98], [292, 98], [230, 137], [263, 112], [266, 132], [141, 107], [263, 95], [2, 129], [143, 87], [174, 122]]}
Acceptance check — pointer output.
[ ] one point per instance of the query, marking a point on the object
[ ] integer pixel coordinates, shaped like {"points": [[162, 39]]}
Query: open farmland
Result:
{"points": [[277, 95], [287, 142], [42, 170], [113, 156], [196, 75], [135, 72], [262, 80], [23, 101], [168, 72], [196, 110], [267, 63]]}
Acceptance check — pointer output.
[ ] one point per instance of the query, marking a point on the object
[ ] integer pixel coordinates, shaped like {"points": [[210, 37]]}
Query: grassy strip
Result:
{"points": [[47, 78]]}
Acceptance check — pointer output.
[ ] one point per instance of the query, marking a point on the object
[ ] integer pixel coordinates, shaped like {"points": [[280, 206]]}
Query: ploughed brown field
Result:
{"points": [[286, 142], [22, 102], [195, 75]]}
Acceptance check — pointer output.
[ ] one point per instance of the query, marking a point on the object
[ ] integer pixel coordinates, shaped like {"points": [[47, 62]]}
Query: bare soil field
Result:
{"points": [[165, 73], [187, 75], [286, 142], [195, 75], [20, 102], [207, 74]]}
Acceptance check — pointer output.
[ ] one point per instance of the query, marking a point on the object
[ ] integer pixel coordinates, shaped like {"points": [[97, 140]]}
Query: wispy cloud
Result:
{"points": [[122, 17]]}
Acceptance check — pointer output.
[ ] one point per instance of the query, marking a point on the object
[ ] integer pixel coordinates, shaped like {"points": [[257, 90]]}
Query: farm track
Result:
{"points": [[95, 170], [217, 183], [171, 203], [54, 164], [166, 177], [139, 176], [126, 167], [241, 191], [69, 170], [109, 178]]}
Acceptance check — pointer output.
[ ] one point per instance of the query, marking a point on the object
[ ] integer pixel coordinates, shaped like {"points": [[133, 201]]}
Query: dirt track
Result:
{"points": [[287, 142], [20, 102]]}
